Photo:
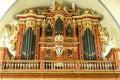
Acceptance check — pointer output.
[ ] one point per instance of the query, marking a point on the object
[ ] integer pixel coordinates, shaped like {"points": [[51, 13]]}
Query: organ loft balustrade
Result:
{"points": [[43, 66]]}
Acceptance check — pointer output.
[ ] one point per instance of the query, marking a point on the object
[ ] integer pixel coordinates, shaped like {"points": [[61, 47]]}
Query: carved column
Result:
{"points": [[64, 33], [80, 50], [98, 45], [74, 30], [37, 48], [43, 30], [53, 29], [19, 39]]}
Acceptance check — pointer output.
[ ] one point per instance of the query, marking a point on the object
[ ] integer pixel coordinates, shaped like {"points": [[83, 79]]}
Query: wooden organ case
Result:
{"points": [[58, 34]]}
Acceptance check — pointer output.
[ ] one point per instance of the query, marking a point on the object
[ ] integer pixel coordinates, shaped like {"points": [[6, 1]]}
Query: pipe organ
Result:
{"points": [[58, 33], [61, 40]]}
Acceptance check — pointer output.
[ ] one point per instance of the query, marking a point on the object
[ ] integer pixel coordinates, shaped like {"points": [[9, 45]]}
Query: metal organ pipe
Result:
{"points": [[28, 44], [88, 45]]}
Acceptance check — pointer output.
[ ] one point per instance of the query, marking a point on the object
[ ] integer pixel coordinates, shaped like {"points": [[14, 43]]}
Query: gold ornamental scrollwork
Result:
{"points": [[74, 23], [12, 36], [90, 55], [43, 24], [87, 24], [30, 24], [29, 11], [104, 38]]}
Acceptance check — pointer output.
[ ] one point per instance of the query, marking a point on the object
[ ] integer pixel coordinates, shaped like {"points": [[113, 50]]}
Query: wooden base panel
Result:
{"points": [[83, 76]]}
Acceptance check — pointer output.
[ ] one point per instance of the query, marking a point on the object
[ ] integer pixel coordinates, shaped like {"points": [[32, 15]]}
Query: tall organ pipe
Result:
{"points": [[28, 45], [88, 45]]}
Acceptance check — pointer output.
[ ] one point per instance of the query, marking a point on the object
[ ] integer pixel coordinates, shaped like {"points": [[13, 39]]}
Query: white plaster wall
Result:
{"points": [[114, 8]]}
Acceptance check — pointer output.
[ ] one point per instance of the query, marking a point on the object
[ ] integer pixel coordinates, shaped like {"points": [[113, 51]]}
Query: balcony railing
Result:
{"points": [[58, 66]]}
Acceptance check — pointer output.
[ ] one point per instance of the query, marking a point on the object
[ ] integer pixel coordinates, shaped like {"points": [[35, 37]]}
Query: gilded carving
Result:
{"points": [[29, 11], [90, 55], [30, 24], [79, 11], [49, 22], [88, 11], [87, 24], [12, 35], [44, 23], [69, 22], [59, 50], [103, 38], [58, 16], [38, 11], [74, 23], [58, 5], [59, 38], [79, 23]]}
